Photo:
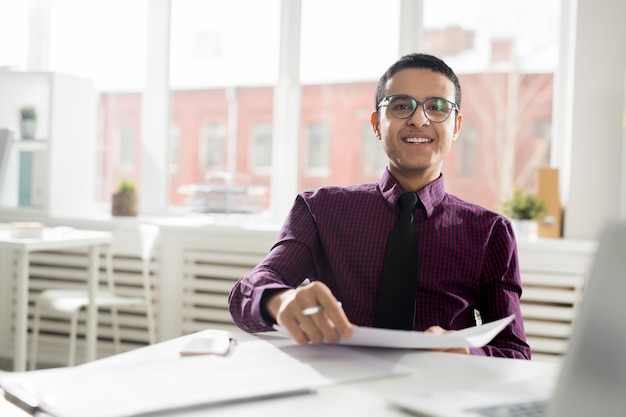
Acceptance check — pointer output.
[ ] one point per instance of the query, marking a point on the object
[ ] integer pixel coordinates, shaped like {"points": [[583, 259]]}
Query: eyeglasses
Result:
{"points": [[436, 109]]}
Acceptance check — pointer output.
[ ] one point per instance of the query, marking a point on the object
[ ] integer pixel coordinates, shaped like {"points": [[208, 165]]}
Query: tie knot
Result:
{"points": [[407, 201]]}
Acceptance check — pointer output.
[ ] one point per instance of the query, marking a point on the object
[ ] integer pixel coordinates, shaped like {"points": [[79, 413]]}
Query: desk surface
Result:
{"points": [[54, 238], [364, 397]]}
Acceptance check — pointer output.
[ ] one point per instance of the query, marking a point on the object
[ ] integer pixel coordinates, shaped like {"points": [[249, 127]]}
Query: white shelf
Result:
{"points": [[54, 173], [30, 144]]}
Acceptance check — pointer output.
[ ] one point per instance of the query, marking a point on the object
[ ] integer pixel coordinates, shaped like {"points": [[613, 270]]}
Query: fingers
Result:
{"points": [[337, 317], [435, 330], [312, 314], [329, 321]]}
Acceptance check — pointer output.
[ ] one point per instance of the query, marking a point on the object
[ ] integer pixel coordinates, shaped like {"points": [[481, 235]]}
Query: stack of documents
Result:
{"points": [[255, 370], [158, 380]]}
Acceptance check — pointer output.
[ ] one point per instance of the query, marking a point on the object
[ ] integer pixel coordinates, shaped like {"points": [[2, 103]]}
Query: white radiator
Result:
{"points": [[553, 279], [208, 276]]}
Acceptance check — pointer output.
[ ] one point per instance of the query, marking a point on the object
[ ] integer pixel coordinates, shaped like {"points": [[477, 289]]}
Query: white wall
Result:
{"points": [[598, 101]]}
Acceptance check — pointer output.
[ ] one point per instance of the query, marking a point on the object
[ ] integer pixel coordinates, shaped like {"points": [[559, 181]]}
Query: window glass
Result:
{"points": [[223, 66], [343, 54], [505, 54], [348, 40], [13, 34], [107, 44]]}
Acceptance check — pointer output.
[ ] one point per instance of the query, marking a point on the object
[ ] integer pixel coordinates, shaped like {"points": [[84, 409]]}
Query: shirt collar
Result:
{"points": [[430, 196]]}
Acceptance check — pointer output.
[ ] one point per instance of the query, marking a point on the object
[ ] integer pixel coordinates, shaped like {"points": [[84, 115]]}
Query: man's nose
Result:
{"points": [[418, 118]]}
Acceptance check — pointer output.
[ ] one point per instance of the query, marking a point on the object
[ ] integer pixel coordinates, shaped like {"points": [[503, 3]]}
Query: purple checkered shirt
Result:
{"points": [[337, 235]]}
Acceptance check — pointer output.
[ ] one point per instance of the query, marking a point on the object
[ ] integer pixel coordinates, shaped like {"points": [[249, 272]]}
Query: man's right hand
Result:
{"points": [[330, 324]]}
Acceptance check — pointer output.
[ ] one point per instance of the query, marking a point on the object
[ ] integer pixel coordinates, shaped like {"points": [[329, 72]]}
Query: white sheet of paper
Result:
{"points": [[405, 339]]}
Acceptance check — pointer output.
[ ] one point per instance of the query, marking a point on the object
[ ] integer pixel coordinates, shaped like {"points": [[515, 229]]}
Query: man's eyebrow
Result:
{"points": [[426, 99]]}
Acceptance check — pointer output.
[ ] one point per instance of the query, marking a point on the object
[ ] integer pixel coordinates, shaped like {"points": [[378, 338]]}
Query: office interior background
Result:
{"points": [[189, 92], [274, 97]]}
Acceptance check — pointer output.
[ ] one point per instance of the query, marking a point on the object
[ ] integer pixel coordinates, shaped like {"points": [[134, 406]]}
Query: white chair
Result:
{"points": [[137, 241]]}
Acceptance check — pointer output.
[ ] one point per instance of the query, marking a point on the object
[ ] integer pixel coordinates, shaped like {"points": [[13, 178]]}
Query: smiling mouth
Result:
{"points": [[417, 140]]}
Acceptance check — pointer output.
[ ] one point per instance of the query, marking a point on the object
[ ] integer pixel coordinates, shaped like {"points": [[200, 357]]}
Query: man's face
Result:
{"points": [[416, 147]]}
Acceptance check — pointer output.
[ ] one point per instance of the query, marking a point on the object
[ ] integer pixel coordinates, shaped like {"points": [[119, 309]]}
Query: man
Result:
{"points": [[336, 236]]}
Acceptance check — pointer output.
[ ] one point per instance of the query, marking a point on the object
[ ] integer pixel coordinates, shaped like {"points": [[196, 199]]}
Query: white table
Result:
{"points": [[53, 239], [362, 397]]}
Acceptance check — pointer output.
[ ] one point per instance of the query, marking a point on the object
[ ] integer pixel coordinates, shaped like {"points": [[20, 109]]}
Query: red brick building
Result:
{"points": [[505, 135]]}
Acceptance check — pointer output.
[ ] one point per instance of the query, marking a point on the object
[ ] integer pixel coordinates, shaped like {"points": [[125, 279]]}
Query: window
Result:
{"points": [[126, 147], [212, 138], [115, 60], [174, 148], [14, 34], [468, 152], [505, 56], [224, 66], [215, 48], [261, 148], [317, 149], [339, 73], [111, 32], [374, 160]]}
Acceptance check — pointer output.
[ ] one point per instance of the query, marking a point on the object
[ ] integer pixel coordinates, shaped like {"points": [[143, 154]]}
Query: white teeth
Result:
{"points": [[417, 140]]}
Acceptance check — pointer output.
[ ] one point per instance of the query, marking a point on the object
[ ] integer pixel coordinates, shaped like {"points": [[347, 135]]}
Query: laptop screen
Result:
{"points": [[593, 377]]}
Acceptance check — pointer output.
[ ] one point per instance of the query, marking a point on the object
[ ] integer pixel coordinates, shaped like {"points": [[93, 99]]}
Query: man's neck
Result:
{"points": [[416, 180]]}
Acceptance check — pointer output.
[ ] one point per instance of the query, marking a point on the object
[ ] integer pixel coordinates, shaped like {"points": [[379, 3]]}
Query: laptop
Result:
{"points": [[592, 379]]}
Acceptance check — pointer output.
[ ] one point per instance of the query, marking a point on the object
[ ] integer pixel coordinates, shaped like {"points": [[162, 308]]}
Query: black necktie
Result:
{"points": [[395, 306]]}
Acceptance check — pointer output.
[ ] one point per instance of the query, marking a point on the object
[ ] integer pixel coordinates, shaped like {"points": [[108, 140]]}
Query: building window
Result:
{"points": [[212, 141], [318, 149], [126, 147], [467, 145], [261, 148], [374, 160], [174, 147]]}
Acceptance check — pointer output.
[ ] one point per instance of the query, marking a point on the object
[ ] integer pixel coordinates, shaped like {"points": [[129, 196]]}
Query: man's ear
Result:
{"points": [[375, 125], [458, 121]]}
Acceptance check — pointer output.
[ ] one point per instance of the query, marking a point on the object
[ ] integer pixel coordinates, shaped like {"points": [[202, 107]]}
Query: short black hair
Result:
{"points": [[417, 61]]}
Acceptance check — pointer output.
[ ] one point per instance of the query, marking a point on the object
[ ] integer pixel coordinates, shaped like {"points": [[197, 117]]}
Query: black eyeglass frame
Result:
{"points": [[387, 99]]}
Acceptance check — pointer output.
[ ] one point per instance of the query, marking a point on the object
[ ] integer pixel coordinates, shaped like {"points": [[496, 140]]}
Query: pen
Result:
{"points": [[309, 311]]}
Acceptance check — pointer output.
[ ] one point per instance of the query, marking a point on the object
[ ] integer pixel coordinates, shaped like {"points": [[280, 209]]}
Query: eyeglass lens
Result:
{"points": [[435, 109]]}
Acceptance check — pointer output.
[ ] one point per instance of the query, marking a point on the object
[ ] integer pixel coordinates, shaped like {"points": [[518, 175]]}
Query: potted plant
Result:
{"points": [[28, 122], [524, 209], [125, 200]]}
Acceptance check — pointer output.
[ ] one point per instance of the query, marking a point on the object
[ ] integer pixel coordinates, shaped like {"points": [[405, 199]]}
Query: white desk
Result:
{"points": [[364, 397], [52, 239]]}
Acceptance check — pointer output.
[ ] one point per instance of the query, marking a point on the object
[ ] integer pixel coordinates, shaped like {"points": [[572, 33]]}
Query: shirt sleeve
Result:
{"points": [[287, 265], [501, 289]]}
